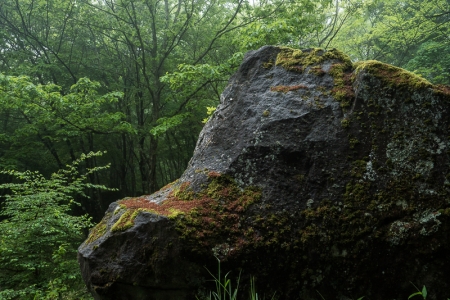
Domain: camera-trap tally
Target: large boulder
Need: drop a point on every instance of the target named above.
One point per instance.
(314, 174)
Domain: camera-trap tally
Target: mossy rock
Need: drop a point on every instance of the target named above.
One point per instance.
(314, 175)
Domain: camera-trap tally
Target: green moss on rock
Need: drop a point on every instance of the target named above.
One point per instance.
(393, 76)
(297, 60)
(202, 217)
(312, 60)
(126, 220)
(98, 230)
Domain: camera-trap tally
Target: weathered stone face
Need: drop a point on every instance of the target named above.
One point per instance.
(313, 175)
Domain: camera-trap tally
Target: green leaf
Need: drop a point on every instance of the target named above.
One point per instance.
(424, 292)
(167, 123)
(40, 235)
(415, 294)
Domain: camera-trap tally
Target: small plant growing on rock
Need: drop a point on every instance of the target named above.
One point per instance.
(422, 292)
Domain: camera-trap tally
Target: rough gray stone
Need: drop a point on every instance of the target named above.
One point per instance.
(313, 174)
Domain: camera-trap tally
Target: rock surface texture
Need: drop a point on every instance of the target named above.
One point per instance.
(314, 175)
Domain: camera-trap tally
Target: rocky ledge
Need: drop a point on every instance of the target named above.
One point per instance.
(314, 175)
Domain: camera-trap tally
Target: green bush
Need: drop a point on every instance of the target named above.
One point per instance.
(39, 235)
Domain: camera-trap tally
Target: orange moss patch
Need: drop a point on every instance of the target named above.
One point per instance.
(287, 88)
(443, 89)
(214, 174)
(208, 216)
(179, 200)
(164, 209)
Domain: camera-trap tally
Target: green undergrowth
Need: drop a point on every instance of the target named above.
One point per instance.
(225, 290)
(39, 233)
(224, 287)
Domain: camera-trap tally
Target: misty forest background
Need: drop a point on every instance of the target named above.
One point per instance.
(102, 99)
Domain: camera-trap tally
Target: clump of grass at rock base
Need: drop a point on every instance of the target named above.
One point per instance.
(224, 287)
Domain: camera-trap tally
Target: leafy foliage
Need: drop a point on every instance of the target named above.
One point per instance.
(39, 117)
(409, 34)
(430, 63)
(285, 22)
(128, 46)
(167, 123)
(39, 234)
